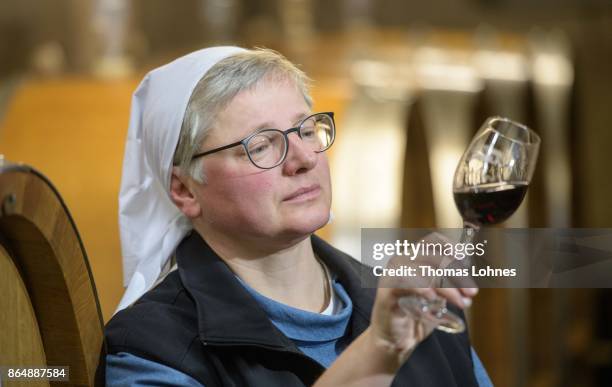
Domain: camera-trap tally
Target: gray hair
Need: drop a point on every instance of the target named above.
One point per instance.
(217, 88)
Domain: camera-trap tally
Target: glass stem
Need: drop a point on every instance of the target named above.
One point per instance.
(468, 235)
(469, 232)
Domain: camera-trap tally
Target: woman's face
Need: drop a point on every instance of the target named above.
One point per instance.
(240, 200)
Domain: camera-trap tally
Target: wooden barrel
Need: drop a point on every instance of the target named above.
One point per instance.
(50, 315)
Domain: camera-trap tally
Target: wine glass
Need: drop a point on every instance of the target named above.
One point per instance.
(493, 174)
(490, 183)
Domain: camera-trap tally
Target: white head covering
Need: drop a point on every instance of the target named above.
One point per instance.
(151, 226)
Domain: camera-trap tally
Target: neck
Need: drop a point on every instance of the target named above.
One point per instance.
(289, 274)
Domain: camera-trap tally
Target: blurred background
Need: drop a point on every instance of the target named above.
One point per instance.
(410, 82)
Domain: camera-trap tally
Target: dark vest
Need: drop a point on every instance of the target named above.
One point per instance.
(201, 321)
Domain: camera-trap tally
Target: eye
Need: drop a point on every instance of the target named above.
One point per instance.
(309, 128)
(308, 132)
(260, 148)
(259, 145)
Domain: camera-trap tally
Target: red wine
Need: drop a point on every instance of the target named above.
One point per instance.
(489, 203)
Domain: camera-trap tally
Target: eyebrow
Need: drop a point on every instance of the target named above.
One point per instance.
(267, 125)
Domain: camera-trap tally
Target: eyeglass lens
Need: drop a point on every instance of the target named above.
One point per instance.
(268, 148)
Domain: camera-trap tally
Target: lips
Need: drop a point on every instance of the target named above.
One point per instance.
(304, 193)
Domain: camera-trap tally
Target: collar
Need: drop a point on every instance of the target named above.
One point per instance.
(306, 326)
(229, 315)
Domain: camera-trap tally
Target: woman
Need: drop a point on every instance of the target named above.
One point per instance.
(215, 187)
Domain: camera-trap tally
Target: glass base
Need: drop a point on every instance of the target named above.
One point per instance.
(434, 311)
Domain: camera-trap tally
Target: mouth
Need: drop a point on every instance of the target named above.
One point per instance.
(304, 194)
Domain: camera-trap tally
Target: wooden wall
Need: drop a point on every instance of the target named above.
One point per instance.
(73, 131)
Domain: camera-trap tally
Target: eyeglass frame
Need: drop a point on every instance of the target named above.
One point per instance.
(285, 133)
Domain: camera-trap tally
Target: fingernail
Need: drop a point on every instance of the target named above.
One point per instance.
(467, 301)
(471, 291)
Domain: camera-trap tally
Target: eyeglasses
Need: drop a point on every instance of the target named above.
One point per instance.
(267, 148)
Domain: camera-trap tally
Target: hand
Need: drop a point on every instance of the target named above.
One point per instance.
(399, 331)
(396, 329)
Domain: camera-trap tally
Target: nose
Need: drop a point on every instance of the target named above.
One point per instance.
(300, 158)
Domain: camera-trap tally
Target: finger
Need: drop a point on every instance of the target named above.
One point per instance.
(416, 306)
(454, 296)
(469, 292)
(427, 293)
(459, 281)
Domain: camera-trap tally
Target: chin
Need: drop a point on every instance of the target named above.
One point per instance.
(305, 223)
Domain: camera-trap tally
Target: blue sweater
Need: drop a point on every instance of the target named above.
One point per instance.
(317, 335)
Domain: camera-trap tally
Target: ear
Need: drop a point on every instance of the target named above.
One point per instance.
(182, 196)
